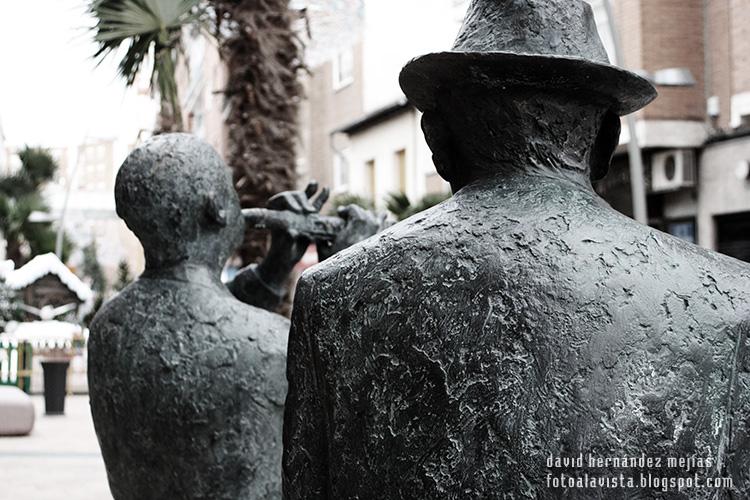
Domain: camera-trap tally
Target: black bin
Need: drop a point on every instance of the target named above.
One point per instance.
(55, 382)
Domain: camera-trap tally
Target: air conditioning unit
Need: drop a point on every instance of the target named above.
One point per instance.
(673, 170)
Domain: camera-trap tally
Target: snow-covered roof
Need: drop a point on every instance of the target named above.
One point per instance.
(42, 265)
(6, 267)
(42, 333)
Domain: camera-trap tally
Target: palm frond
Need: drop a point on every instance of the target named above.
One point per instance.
(145, 27)
(123, 19)
(141, 24)
(398, 204)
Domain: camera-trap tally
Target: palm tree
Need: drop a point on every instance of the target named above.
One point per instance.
(20, 197)
(263, 55)
(401, 207)
(146, 27)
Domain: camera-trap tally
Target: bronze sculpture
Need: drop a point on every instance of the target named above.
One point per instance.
(453, 354)
(187, 383)
(184, 379)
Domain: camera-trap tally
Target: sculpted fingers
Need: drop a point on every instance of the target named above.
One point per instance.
(285, 201)
(303, 200)
(321, 199)
(311, 189)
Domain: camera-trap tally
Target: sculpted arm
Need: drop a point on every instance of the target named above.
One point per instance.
(250, 288)
(296, 224)
(305, 462)
(264, 285)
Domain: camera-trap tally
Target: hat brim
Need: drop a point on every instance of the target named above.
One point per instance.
(423, 78)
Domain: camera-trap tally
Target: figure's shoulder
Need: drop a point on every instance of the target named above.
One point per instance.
(423, 231)
(701, 260)
(168, 302)
(118, 309)
(258, 323)
(660, 264)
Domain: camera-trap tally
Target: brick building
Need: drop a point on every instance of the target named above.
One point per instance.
(334, 87)
(362, 137)
(696, 139)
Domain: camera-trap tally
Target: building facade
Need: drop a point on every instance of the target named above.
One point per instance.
(385, 152)
(201, 78)
(369, 143)
(695, 139)
(333, 87)
(82, 199)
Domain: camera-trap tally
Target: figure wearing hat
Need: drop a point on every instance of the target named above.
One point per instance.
(456, 353)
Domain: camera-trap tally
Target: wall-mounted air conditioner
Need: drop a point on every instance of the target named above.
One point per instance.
(673, 170)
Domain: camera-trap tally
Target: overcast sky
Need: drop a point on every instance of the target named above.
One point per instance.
(51, 92)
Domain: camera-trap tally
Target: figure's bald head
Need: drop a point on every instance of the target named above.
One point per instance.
(175, 193)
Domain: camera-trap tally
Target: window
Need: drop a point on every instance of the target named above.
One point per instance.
(713, 106)
(684, 229)
(370, 179)
(733, 235)
(343, 69)
(740, 110)
(400, 170)
(340, 172)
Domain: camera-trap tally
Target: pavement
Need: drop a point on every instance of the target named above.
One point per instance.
(60, 460)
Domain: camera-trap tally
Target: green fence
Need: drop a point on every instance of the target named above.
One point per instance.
(15, 363)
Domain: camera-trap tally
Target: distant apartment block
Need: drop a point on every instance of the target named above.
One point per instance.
(362, 137)
(86, 183)
(696, 139)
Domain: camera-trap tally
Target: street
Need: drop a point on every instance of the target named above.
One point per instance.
(59, 460)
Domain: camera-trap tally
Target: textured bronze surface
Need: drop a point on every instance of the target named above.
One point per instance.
(549, 44)
(453, 354)
(187, 383)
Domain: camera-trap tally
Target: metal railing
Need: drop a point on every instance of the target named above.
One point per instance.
(15, 363)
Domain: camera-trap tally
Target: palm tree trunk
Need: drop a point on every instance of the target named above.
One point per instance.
(263, 57)
(170, 111)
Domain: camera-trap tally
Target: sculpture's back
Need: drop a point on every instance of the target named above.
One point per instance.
(186, 382)
(189, 393)
(523, 319)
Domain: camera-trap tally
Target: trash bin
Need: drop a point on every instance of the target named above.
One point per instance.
(55, 382)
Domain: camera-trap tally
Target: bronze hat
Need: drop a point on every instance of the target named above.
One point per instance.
(552, 44)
